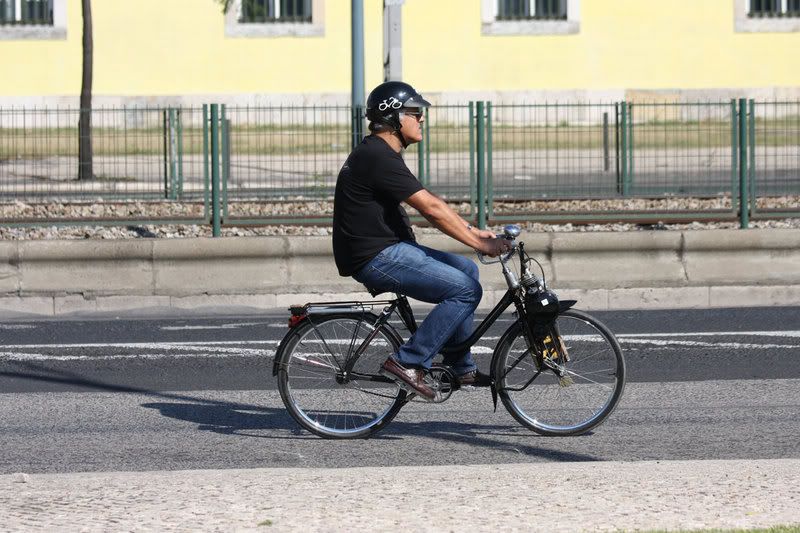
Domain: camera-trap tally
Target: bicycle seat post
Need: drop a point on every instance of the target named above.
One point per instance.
(406, 313)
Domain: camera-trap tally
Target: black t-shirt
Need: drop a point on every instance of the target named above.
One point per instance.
(367, 215)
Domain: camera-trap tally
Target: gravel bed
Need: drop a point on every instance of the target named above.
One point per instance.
(303, 207)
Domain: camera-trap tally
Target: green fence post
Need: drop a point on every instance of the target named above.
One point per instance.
(629, 173)
(744, 215)
(473, 197)
(617, 147)
(421, 160)
(166, 152)
(606, 158)
(489, 181)
(205, 164)
(179, 189)
(624, 163)
(173, 155)
(481, 134)
(226, 160)
(427, 132)
(357, 125)
(215, 214)
(734, 157)
(751, 162)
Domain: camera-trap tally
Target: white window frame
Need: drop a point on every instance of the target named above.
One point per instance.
(744, 23)
(491, 26)
(58, 31)
(236, 29)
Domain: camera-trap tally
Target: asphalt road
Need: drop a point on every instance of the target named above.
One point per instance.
(188, 393)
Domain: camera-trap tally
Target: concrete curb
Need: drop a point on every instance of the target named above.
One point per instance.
(555, 496)
(712, 268)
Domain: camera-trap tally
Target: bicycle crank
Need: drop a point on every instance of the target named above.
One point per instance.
(443, 382)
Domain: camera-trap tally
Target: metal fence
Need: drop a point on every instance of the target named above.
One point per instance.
(541, 162)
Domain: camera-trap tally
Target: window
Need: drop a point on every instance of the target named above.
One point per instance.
(33, 19)
(774, 8)
(26, 12)
(766, 15)
(531, 10)
(263, 11)
(530, 17)
(275, 18)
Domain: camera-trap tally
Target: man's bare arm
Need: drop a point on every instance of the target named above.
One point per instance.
(438, 213)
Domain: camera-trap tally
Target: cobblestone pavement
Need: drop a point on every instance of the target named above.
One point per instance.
(604, 496)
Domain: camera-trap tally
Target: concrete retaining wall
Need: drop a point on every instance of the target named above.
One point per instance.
(603, 270)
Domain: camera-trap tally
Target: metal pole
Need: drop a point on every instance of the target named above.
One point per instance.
(421, 161)
(215, 215)
(744, 207)
(226, 160)
(734, 156)
(166, 154)
(357, 63)
(205, 162)
(472, 195)
(180, 153)
(751, 161)
(173, 155)
(606, 159)
(489, 181)
(392, 40)
(481, 167)
(616, 146)
(624, 165)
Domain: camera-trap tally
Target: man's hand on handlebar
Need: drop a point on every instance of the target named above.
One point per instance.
(484, 233)
(494, 246)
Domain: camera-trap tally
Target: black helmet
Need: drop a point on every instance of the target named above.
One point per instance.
(386, 100)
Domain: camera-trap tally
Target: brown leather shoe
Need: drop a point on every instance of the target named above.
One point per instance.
(474, 379)
(413, 377)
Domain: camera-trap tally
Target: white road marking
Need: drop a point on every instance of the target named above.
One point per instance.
(210, 326)
(786, 333)
(208, 349)
(147, 345)
(16, 356)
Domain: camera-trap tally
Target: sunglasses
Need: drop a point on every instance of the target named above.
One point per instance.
(416, 114)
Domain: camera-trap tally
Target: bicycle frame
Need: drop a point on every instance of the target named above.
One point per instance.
(401, 305)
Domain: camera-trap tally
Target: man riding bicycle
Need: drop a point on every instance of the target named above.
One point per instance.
(373, 241)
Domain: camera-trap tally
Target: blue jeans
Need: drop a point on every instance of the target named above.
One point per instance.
(432, 276)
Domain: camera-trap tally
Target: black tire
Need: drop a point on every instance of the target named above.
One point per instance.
(310, 360)
(591, 386)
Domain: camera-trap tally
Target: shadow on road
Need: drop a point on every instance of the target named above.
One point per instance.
(240, 419)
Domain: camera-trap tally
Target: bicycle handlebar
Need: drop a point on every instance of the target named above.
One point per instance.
(502, 258)
(510, 232)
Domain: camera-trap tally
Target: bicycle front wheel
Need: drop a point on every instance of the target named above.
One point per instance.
(319, 391)
(567, 395)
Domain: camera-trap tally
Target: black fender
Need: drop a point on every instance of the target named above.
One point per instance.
(563, 305)
(279, 351)
(510, 332)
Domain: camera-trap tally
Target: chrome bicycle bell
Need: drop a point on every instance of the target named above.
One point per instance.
(511, 231)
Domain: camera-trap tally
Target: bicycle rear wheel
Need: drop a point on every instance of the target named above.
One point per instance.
(315, 388)
(573, 394)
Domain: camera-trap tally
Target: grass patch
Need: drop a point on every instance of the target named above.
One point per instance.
(266, 523)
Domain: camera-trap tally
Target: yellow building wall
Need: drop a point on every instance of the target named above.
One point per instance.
(647, 44)
(179, 47)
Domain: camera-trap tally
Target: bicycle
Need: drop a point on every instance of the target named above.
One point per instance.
(557, 370)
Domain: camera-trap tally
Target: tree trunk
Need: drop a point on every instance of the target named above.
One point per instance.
(85, 120)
